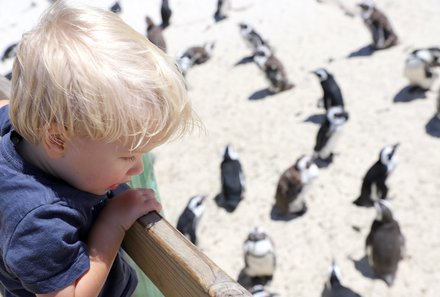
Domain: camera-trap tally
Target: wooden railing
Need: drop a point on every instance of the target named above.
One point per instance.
(174, 264)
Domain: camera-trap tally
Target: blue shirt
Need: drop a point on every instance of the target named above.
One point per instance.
(44, 224)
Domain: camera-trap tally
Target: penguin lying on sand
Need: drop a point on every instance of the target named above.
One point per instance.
(260, 291)
(334, 287)
(232, 180)
(165, 13)
(385, 244)
(418, 67)
(251, 37)
(380, 27)
(259, 256)
(194, 55)
(289, 196)
(328, 135)
(154, 34)
(273, 69)
(332, 93)
(373, 184)
(190, 218)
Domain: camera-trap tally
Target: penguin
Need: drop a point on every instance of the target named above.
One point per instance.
(165, 13)
(10, 52)
(418, 67)
(251, 37)
(260, 291)
(373, 184)
(259, 256)
(222, 7)
(273, 69)
(190, 218)
(116, 7)
(154, 34)
(334, 287)
(329, 134)
(289, 196)
(232, 180)
(332, 93)
(380, 27)
(385, 244)
(194, 55)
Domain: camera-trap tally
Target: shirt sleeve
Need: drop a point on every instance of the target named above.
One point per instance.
(5, 123)
(45, 251)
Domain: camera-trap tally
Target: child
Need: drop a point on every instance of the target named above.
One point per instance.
(89, 97)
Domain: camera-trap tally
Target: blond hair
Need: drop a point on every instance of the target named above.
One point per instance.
(88, 72)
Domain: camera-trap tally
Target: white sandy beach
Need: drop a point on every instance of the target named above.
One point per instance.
(270, 133)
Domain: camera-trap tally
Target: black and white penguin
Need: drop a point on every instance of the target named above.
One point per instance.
(328, 135)
(260, 291)
(334, 287)
(289, 196)
(385, 244)
(190, 218)
(220, 12)
(165, 13)
(380, 27)
(194, 55)
(251, 37)
(232, 180)
(273, 69)
(155, 35)
(419, 65)
(332, 93)
(10, 52)
(116, 7)
(259, 256)
(373, 184)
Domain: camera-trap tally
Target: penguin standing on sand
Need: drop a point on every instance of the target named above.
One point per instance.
(155, 35)
(334, 287)
(232, 180)
(194, 56)
(385, 244)
(10, 52)
(373, 184)
(165, 13)
(251, 37)
(260, 291)
(259, 256)
(332, 93)
(220, 12)
(328, 135)
(190, 218)
(380, 27)
(418, 67)
(273, 69)
(289, 196)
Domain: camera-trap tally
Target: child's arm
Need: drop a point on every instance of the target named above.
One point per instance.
(106, 237)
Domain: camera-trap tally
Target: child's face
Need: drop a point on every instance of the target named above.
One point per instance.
(96, 167)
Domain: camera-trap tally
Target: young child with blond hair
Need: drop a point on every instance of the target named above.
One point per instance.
(90, 96)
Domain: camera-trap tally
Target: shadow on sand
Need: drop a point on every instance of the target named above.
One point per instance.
(433, 126)
(365, 51)
(315, 119)
(409, 93)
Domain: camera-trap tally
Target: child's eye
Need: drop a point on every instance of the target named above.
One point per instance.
(129, 159)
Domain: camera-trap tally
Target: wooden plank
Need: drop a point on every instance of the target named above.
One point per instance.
(174, 264)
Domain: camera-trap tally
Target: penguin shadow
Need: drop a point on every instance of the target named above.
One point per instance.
(323, 163)
(433, 126)
(260, 94)
(409, 93)
(315, 119)
(277, 215)
(220, 201)
(245, 60)
(365, 51)
(248, 282)
(364, 267)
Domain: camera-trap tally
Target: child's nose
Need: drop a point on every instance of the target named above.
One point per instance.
(138, 168)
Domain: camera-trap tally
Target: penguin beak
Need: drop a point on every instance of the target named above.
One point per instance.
(394, 149)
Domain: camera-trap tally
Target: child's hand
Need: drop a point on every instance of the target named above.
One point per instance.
(127, 207)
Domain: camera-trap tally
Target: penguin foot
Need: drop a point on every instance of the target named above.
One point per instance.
(364, 202)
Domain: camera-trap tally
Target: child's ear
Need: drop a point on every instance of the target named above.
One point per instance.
(53, 142)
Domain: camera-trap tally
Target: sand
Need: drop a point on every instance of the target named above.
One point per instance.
(269, 133)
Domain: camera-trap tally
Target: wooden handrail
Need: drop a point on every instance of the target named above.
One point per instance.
(174, 264)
